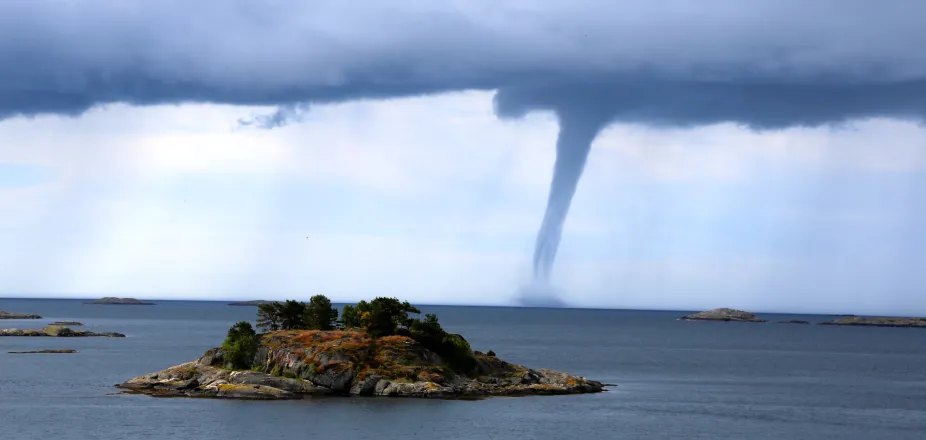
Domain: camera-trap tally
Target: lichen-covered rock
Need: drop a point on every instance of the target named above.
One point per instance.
(195, 380)
(417, 389)
(723, 314)
(252, 392)
(306, 363)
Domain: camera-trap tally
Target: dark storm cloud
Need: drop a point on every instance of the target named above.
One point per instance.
(764, 63)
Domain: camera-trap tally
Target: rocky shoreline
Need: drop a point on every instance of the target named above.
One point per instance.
(299, 364)
(57, 331)
(11, 315)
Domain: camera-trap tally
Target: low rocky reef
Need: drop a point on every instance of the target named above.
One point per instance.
(11, 315)
(255, 303)
(299, 363)
(878, 321)
(110, 300)
(67, 323)
(68, 351)
(57, 331)
(723, 314)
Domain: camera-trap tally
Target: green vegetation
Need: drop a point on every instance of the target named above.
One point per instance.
(240, 345)
(380, 317)
(377, 319)
(490, 353)
(317, 314)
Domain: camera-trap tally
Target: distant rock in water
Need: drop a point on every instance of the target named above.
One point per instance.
(794, 321)
(109, 300)
(723, 314)
(67, 323)
(878, 321)
(10, 315)
(57, 331)
(294, 364)
(44, 352)
(254, 303)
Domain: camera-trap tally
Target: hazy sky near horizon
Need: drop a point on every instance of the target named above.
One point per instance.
(759, 158)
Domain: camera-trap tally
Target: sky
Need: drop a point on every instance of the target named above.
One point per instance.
(769, 157)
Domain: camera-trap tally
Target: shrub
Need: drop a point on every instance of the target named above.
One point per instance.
(451, 347)
(240, 346)
(457, 353)
(490, 353)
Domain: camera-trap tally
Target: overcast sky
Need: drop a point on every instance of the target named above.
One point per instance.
(765, 155)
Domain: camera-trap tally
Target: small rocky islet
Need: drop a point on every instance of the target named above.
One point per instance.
(65, 351)
(878, 322)
(369, 355)
(11, 315)
(57, 331)
(723, 314)
(111, 300)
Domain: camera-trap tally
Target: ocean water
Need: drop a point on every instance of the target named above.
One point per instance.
(676, 379)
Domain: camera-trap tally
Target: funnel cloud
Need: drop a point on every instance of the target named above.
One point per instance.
(576, 133)
(764, 64)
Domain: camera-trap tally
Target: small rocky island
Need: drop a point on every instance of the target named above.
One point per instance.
(109, 300)
(375, 349)
(723, 314)
(67, 351)
(67, 323)
(255, 303)
(878, 321)
(11, 315)
(57, 331)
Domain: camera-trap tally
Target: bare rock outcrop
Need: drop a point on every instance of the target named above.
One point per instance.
(296, 364)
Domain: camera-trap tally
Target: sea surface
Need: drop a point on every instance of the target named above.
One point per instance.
(676, 379)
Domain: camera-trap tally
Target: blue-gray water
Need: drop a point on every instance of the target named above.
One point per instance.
(693, 380)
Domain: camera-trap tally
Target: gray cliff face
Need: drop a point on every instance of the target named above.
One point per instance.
(330, 375)
(723, 314)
